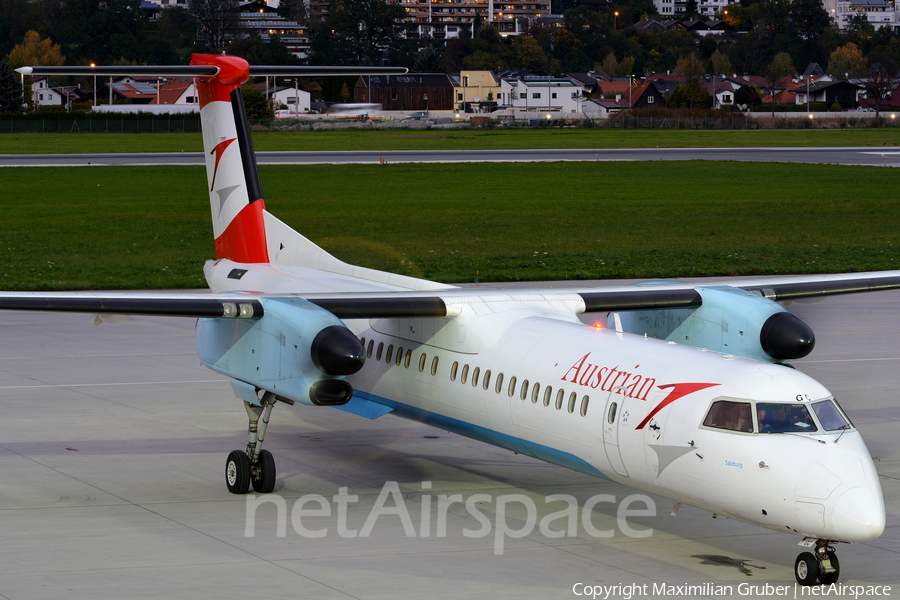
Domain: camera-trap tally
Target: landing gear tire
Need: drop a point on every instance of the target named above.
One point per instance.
(832, 577)
(237, 472)
(806, 569)
(264, 481)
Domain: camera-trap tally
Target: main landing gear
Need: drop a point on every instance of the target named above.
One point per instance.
(253, 465)
(823, 565)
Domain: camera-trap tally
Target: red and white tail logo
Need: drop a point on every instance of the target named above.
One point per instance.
(235, 195)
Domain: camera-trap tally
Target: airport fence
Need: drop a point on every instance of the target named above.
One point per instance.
(190, 123)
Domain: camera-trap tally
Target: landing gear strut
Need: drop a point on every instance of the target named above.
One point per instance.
(254, 465)
(823, 565)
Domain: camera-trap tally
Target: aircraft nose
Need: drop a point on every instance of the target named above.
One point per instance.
(858, 515)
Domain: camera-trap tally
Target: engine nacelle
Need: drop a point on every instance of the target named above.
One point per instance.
(730, 320)
(296, 350)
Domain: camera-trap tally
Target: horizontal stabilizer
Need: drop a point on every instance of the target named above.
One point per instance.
(208, 71)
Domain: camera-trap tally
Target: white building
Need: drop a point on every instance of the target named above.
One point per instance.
(705, 8)
(550, 94)
(878, 13)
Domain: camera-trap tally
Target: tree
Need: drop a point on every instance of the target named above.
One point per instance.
(780, 67)
(216, 20)
(34, 51)
(808, 19)
(719, 64)
(689, 95)
(747, 95)
(258, 108)
(363, 32)
(10, 89)
(881, 79)
(690, 68)
(847, 61)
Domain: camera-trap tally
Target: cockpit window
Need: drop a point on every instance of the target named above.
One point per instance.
(784, 418)
(734, 416)
(829, 416)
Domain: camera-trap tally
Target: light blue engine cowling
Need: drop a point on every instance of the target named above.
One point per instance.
(729, 320)
(296, 350)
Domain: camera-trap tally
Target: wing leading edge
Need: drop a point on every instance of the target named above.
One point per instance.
(400, 304)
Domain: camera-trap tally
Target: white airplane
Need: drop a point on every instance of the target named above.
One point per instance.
(684, 392)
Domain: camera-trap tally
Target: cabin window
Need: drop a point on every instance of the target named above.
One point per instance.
(548, 392)
(390, 353)
(559, 399)
(465, 374)
(399, 355)
(512, 386)
(784, 418)
(407, 359)
(584, 405)
(831, 418)
(733, 416)
(369, 350)
(611, 415)
(434, 365)
(362, 341)
(572, 398)
(475, 373)
(422, 360)
(499, 385)
(379, 351)
(487, 379)
(524, 392)
(535, 392)
(453, 370)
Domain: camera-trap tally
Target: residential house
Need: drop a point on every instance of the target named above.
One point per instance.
(153, 90)
(641, 93)
(841, 91)
(45, 95)
(554, 94)
(293, 98)
(590, 81)
(475, 90)
(602, 108)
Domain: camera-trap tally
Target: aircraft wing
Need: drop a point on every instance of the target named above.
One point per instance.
(440, 303)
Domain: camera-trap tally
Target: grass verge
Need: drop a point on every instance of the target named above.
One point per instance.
(148, 227)
(457, 139)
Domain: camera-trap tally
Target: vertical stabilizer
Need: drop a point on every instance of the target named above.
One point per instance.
(235, 193)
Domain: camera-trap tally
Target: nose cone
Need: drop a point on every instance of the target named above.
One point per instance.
(858, 515)
(336, 351)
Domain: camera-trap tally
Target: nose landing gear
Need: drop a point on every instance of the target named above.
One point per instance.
(822, 566)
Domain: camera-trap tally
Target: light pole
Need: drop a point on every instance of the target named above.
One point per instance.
(630, 87)
(616, 20)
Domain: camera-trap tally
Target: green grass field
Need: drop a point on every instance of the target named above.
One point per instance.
(148, 227)
(457, 139)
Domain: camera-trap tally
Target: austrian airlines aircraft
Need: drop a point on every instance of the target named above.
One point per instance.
(686, 392)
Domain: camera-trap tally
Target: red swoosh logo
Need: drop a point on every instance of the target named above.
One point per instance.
(219, 150)
(679, 390)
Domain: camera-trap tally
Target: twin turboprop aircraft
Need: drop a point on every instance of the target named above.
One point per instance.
(686, 392)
